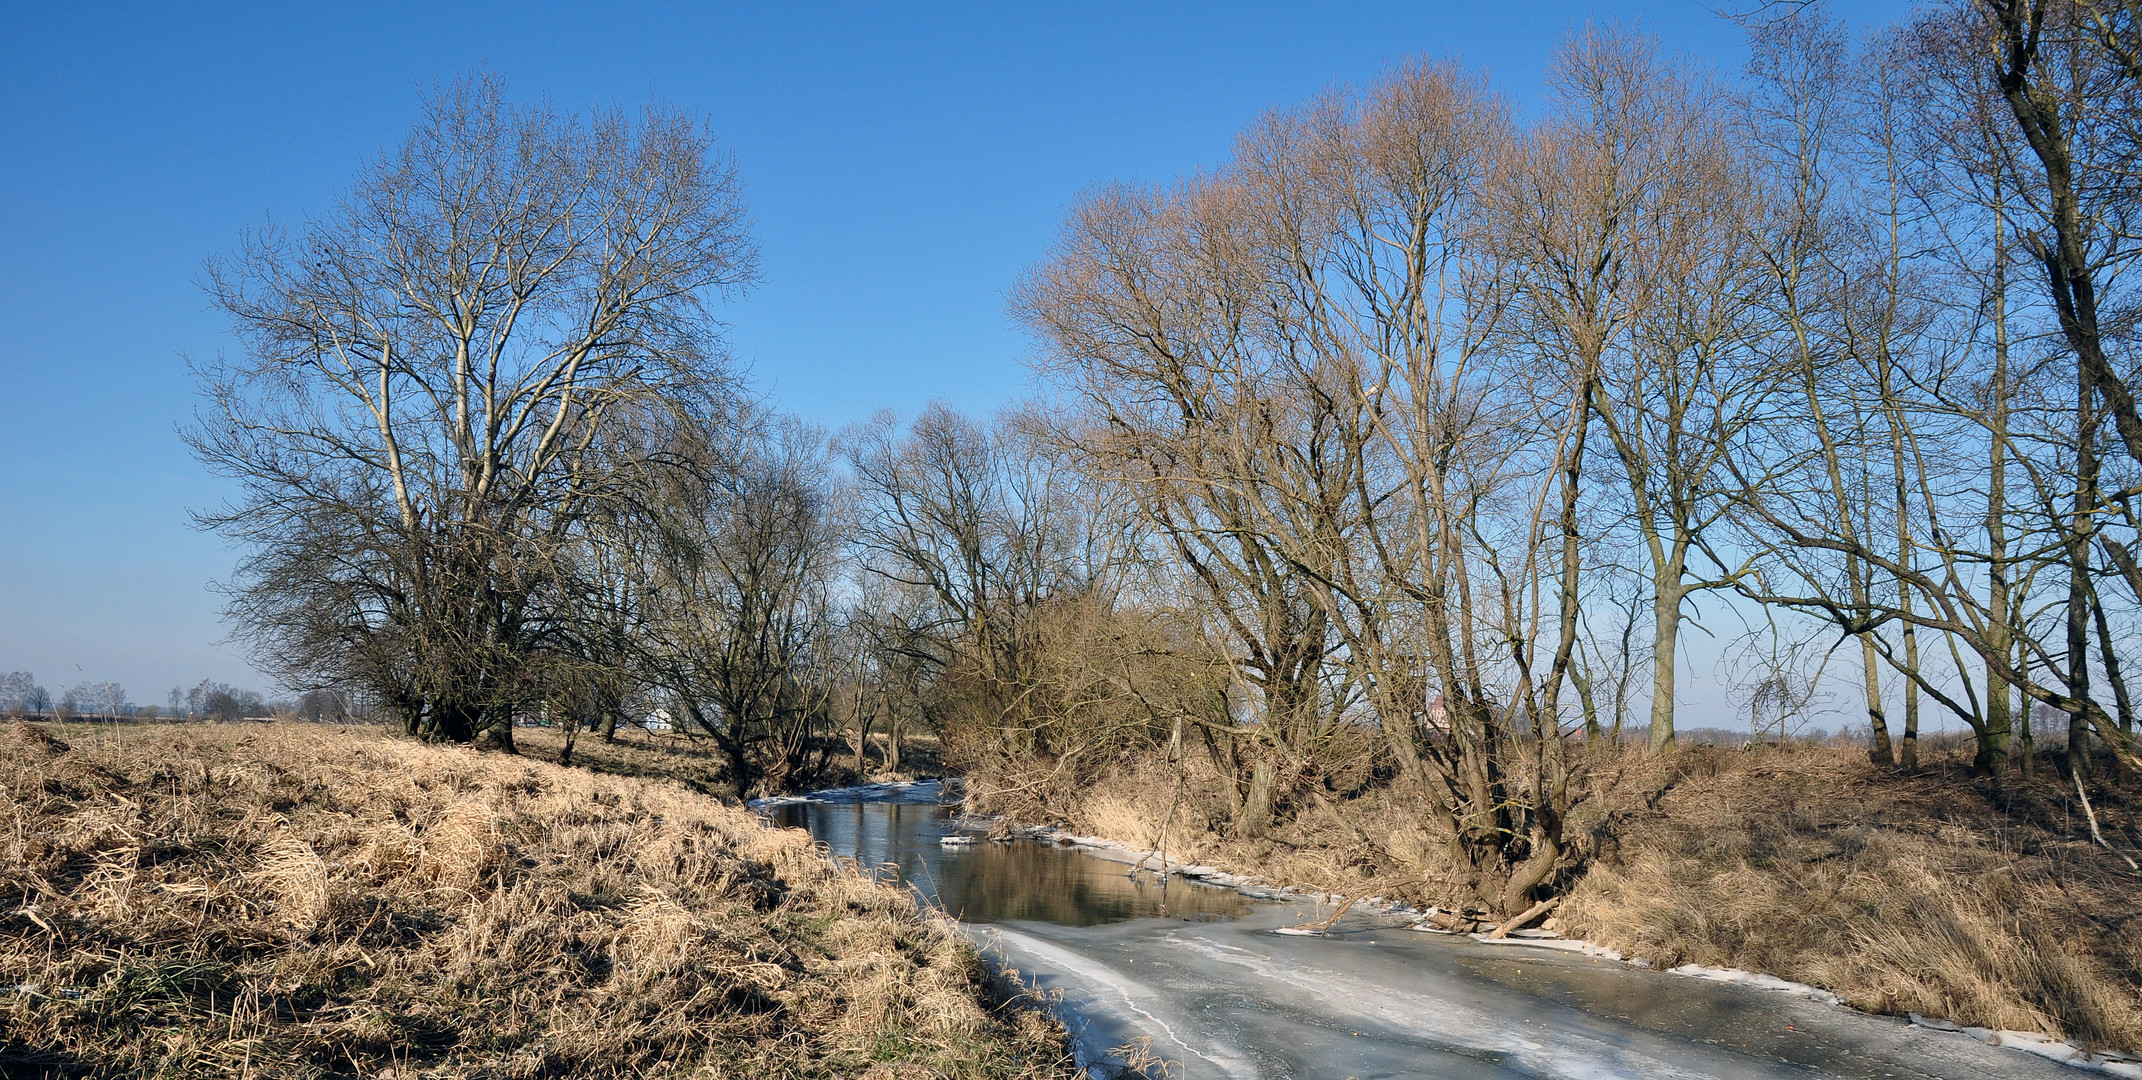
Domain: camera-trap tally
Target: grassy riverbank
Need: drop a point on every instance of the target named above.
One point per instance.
(293, 901)
(1932, 892)
(694, 761)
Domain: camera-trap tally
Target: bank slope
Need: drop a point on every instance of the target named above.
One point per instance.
(299, 902)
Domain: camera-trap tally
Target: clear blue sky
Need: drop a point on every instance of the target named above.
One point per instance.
(904, 164)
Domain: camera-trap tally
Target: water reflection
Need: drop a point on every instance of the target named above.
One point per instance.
(998, 882)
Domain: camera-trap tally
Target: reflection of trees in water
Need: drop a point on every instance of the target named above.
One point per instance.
(1024, 881)
(873, 834)
(1001, 882)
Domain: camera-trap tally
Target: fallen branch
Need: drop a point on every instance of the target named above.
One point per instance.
(1531, 913)
(2091, 816)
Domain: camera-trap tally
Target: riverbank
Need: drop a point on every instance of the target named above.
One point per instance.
(293, 901)
(1207, 982)
(1927, 894)
(697, 764)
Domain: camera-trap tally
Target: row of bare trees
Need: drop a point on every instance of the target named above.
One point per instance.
(493, 463)
(1435, 422)
(495, 468)
(1417, 425)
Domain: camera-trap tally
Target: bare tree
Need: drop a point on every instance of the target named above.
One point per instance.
(739, 609)
(418, 423)
(2067, 73)
(1285, 367)
(1155, 311)
(966, 531)
(21, 695)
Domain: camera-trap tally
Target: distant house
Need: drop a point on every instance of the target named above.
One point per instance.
(1434, 718)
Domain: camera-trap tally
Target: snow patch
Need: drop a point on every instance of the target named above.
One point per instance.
(1757, 980)
(2030, 1042)
(890, 791)
(1559, 944)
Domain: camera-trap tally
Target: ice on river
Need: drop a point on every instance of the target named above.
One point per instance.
(1233, 999)
(1201, 973)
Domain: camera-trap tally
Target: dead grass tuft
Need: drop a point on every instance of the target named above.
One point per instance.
(23, 735)
(296, 877)
(294, 902)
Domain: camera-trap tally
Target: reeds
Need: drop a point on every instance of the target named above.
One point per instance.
(296, 902)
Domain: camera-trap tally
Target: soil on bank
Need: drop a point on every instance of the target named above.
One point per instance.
(1929, 892)
(293, 901)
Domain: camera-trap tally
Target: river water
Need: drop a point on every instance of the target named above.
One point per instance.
(1196, 975)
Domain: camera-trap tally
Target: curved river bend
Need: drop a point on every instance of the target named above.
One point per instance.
(1196, 970)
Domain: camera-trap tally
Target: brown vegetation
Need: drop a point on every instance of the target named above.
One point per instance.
(1930, 892)
(286, 901)
(698, 764)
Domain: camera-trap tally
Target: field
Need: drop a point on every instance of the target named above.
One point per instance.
(1929, 892)
(295, 901)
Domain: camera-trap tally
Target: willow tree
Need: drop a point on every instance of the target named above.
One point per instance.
(1287, 367)
(420, 420)
(978, 531)
(738, 596)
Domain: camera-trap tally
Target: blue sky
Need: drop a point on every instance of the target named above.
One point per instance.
(904, 164)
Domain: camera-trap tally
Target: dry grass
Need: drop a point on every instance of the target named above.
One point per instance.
(1368, 841)
(1931, 893)
(287, 901)
(695, 763)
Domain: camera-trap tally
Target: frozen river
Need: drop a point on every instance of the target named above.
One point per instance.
(1196, 970)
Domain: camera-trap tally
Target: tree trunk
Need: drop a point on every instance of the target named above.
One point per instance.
(862, 743)
(497, 734)
(1531, 873)
(1877, 720)
(2026, 746)
(1993, 742)
(1908, 753)
(1583, 684)
(2080, 533)
(1255, 817)
(2111, 658)
(1228, 766)
(1666, 633)
(453, 722)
